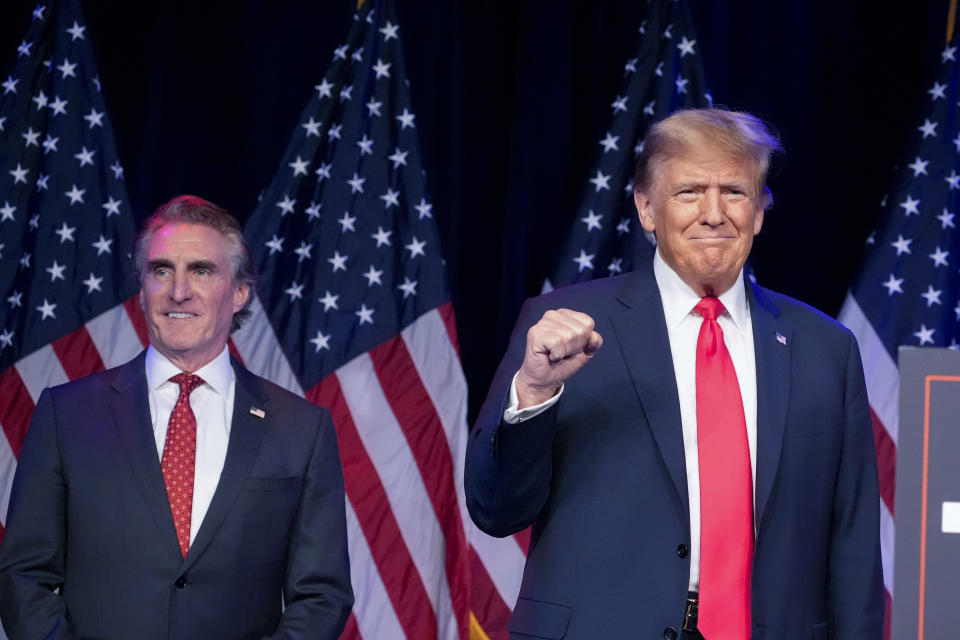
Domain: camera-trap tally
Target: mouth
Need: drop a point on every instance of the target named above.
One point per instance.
(179, 315)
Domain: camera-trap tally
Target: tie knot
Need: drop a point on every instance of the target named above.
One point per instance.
(709, 308)
(187, 381)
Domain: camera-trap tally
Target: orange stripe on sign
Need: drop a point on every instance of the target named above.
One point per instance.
(486, 606)
(886, 461)
(16, 408)
(414, 410)
(78, 354)
(394, 563)
(137, 319)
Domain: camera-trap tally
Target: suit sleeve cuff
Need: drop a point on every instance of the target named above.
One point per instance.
(513, 415)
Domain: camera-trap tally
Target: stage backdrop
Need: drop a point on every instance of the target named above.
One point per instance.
(511, 101)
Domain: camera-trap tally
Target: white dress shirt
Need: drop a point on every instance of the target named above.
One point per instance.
(212, 405)
(683, 328)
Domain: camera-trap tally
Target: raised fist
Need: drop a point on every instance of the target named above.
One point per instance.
(559, 344)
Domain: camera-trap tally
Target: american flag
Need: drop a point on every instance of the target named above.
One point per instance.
(65, 227)
(908, 292)
(354, 313)
(665, 74)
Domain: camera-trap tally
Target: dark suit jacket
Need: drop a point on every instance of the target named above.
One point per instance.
(601, 476)
(89, 515)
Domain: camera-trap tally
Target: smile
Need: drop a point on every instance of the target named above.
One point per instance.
(180, 314)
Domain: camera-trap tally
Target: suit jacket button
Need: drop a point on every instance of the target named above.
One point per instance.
(670, 633)
(683, 550)
(181, 582)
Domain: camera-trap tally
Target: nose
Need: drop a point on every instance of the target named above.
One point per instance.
(180, 290)
(711, 208)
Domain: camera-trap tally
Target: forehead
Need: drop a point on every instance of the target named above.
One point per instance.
(704, 160)
(708, 162)
(186, 240)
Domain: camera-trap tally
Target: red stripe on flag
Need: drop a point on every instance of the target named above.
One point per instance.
(137, 319)
(491, 611)
(233, 350)
(78, 354)
(414, 410)
(887, 612)
(450, 321)
(886, 461)
(16, 408)
(394, 563)
(523, 539)
(351, 631)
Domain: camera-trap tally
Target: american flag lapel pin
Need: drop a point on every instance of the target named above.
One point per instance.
(782, 339)
(260, 413)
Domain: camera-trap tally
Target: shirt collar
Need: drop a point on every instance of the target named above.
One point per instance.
(679, 298)
(218, 373)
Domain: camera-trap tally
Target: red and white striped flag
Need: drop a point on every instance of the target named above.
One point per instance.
(354, 313)
(908, 292)
(65, 226)
(357, 314)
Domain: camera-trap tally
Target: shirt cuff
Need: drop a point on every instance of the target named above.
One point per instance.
(513, 415)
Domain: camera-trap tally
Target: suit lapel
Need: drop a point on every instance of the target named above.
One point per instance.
(771, 339)
(641, 331)
(246, 434)
(131, 413)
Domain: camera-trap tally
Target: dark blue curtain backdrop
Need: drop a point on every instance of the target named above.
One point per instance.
(511, 99)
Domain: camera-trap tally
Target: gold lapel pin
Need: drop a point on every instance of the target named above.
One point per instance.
(260, 413)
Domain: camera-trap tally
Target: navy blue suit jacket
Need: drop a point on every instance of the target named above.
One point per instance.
(601, 476)
(89, 515)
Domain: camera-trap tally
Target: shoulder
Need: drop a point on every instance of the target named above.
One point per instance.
(802, 316)
(101, 383)
(291, 405)
(582, 296)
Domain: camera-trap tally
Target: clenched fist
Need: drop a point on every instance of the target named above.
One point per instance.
(559, 344)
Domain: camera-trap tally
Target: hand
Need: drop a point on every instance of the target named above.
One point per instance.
(559, 344)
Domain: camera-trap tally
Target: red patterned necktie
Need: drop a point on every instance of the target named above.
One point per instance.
(726, 487)
(179, 458)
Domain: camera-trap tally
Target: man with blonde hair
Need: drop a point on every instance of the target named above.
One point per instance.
(711, 473)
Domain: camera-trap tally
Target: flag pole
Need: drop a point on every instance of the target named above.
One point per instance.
(951, 20)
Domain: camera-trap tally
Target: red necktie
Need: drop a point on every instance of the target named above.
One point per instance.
(179, 458)
(726, 487)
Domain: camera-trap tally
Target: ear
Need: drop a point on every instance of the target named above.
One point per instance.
(757, 221)
(142, 307)
(644, 211)
(241, 294)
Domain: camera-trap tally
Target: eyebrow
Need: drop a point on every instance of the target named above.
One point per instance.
(209, 265)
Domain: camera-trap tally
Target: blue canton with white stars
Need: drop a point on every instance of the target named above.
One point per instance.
(344, 237)
(65, 223)
(909, 287)
(665, 74)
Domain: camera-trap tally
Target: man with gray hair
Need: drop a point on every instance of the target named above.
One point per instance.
(711, 473)
(178, 495)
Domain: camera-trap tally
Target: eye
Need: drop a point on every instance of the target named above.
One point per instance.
(161, 272)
